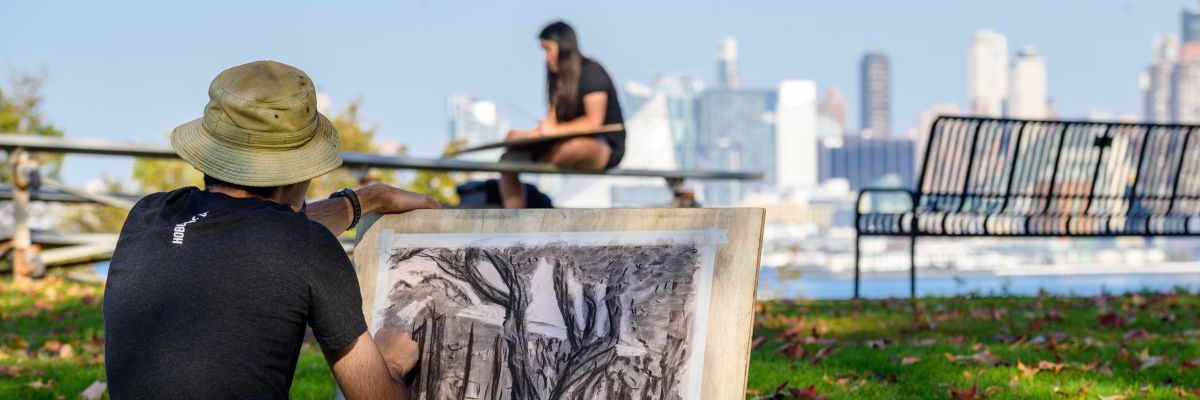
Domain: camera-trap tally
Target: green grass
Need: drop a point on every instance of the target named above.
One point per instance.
(873, 349)
(871, 340)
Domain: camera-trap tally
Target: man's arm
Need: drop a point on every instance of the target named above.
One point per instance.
(336, 214)
(362, 373)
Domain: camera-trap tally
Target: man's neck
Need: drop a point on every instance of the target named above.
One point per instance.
(242, 194)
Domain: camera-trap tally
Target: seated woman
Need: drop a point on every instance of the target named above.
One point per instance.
(582, 97)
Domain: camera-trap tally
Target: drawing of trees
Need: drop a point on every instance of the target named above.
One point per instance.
(636, 296)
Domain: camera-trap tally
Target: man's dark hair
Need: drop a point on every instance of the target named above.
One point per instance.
(210, 182)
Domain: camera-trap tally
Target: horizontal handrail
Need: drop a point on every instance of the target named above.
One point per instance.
(355, 160)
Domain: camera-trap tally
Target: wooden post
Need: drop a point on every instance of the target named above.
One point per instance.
(23, 253)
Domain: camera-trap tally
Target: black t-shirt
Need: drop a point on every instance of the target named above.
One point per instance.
(208, 297)
(593, 78)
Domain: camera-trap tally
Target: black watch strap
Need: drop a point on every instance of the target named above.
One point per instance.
(353, 197)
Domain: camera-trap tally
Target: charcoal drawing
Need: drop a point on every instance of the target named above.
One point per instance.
(552, 318)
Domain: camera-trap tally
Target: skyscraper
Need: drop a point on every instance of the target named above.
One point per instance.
(875, 83)
(1156, 81)
(796, 135)
(987, 73)
(1191, 24)
(680, 93)
(1027, 96)
(727, 63)
(474, 121)
(736, 132)
(831, 113)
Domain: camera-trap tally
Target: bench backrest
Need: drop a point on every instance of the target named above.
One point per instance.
(983, 176)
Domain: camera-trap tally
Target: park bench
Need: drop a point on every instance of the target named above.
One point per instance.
(984, 177)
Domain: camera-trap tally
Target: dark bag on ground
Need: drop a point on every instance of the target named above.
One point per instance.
(486, 194)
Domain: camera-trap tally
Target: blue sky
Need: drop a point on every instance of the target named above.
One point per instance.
(133, 70)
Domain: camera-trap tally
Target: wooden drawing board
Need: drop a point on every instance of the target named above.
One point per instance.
(730, 314)
(533, 141)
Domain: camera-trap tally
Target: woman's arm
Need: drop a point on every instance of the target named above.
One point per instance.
(595, 105)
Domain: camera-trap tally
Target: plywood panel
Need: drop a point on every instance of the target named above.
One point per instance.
(731, 306)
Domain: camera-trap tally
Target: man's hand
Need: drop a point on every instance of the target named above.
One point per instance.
(384, 199)
(399, 351)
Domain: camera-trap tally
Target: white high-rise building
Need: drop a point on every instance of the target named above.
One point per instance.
(987, 73)
(1027, 97)
(475, 121)
(796, 136)
(727, 63)
(1156, 81)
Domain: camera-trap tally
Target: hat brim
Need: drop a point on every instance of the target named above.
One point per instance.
(258, 167)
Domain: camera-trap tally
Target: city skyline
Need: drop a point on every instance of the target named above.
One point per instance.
(370, 53)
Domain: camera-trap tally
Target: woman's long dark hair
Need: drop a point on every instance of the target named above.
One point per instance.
(562, 87)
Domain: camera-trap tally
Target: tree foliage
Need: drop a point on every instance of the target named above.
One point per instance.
(440, 185)
(20, 113)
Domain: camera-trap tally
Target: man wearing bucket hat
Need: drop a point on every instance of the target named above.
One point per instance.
(210, 291)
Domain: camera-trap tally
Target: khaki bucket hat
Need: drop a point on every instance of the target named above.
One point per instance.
(260, 128)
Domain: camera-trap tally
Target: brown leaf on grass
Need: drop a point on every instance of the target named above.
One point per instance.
(985, 358)
(66, 352)
(1081, 393)
(40, 384)
(1113, 397)
(1049, 366)
(991, 390)
(1145, 360)
(1026, 372)
(908, 360)
(1187, 365)
(808, 393)
(52, 346)
(878, 343)
(11, 371)
(1136, 334)
(758, 342)
(963, 394)
(1111, 319)
(821, 354)
(95, 391)
(794, 350)
(1089, 366)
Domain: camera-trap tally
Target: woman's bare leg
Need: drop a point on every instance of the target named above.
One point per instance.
(586, 154)
(512, 192)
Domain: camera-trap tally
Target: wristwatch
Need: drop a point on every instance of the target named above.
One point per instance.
(353, 197)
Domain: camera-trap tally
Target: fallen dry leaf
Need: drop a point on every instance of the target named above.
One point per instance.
(908, 360)
(1026, 372)
(963, 394)
(758, 342)
(1136, 334)
(95, 391)
(1145, 360)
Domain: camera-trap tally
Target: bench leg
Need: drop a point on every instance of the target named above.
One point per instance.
(912, 269)
(857, 259)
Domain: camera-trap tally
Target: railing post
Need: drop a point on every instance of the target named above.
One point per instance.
(24, 255)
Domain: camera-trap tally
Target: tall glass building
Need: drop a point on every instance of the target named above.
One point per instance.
(735, 131)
